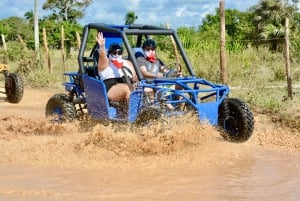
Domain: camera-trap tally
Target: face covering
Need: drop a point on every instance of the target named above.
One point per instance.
(150, 56)
(116, 60)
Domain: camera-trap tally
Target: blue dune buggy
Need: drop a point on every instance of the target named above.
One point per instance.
(150, 98)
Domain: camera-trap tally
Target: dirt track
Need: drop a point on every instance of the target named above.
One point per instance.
(43, 161)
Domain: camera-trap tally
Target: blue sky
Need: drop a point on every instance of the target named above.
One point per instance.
(177, 13)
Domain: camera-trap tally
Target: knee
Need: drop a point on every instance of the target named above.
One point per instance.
(127, 93)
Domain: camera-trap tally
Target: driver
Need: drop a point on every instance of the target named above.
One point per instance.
(150, 66)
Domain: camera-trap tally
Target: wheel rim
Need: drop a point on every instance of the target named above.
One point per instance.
(57, 115)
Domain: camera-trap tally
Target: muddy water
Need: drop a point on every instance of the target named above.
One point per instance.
(262, 175)
(41, 161)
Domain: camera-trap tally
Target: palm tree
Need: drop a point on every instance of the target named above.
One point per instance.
(269, 19)
(29, 16)
(130, 17)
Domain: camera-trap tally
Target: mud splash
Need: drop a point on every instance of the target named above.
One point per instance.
(31, 141)
(153, 140)
(183, 160)
(186, 162)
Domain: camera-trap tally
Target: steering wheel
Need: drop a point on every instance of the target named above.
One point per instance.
(128, 75)
(175, 69)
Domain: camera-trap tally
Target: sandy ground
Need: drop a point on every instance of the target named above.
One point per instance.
(44, 161)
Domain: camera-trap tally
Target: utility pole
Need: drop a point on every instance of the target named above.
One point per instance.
(36, 29)
(223, 60)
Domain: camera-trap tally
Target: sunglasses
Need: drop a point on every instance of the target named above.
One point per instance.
(117, 52)
(149, 48)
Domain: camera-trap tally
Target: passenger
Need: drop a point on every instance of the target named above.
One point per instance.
(112, 70)
(150, 66)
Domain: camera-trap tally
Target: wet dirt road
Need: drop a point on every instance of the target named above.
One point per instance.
(41, 161)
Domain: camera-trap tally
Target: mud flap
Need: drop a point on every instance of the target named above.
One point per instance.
(208, 112)
(135, 105)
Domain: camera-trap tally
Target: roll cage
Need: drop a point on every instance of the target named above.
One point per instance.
(119, 34)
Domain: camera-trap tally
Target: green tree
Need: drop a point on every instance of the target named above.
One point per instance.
(13, 26)
(130, 17)
(238, 24)
(210, 26)
(238, 29)
(269, 21)
(53, 30)
(66, 10)
(29, 16)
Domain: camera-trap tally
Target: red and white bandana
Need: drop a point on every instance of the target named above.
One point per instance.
(117, 61)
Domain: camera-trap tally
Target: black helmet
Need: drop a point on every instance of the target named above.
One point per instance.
(149, 42)
(114, 46)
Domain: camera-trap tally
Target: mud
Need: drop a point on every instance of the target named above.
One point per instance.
(40, 160)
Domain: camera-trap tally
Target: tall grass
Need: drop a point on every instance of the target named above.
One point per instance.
(255, 75)
(250, 67)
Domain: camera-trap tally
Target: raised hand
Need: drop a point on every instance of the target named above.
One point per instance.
(100, 39)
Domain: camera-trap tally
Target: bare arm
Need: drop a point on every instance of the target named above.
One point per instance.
(103, 60)
(148, 74)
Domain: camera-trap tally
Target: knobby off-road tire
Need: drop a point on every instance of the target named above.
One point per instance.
(14, 88)
(148, 116)
(60, 109)
(235, 120)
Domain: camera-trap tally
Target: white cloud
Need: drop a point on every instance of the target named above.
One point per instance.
(132, 5)
(180, 11)
(241, 5)
(176, 12)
